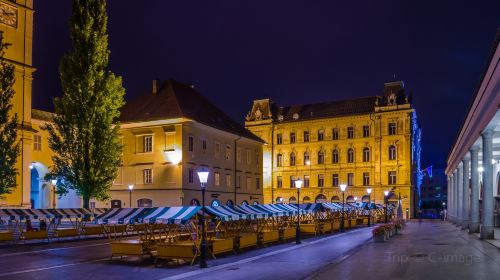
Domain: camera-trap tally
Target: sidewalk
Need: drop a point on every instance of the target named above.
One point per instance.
(430, 250)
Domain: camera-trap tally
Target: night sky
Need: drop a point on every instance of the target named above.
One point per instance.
(291, 51)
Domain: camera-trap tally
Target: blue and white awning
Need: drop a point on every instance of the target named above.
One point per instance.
(171, 215)
(227, 213)
(122, 216)
(31, 214)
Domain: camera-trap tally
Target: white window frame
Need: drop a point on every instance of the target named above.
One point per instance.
(147, 143)
(147, 176)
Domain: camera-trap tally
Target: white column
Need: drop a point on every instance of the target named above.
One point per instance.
(465, 193)
(474, 200)
(487, 231)
(455, 197)
(460, 192)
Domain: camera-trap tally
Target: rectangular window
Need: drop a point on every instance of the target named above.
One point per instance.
(228, 180)
(306, 181)
(228, 152)
(366, 178)
(350, 132)
(279, 139)
(239, 182)
(249, 157)
(249, 182)
(392, 177)
(148, 176)
(37, 142)
(204, 145)
(257, 183)
(190, 175)
(279, 160)
(191, 143)
(321, 180)
(335, 180)
(366, 131)
(217, 178)
(292, 137)
(238, 154)
(217, 149)
(148, 144)
(350, 179)
(306, 136)
(279, 183)
(392, 128)
(335, 134)
(321, 135)
(292, 182)
(257, 159)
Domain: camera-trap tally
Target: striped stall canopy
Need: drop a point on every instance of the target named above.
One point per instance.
(123, 215)
(291, 209)
(253, 212)
(171, 215)
(22, 214)
(227, 213)
(332, 206)
(312, 206)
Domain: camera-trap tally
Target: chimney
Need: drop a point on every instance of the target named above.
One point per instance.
(156, 86)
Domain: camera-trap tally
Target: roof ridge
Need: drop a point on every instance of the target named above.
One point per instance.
(331, 101)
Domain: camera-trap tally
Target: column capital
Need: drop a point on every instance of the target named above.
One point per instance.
(474, 149)
(488, 133)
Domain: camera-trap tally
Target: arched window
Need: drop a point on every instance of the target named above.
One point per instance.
(392, 152)
(349, 199)
(350, 155)
(292, 199)
(144, 202)
(279, 199)
(320, 198)
(307, 159)
(244, 202)
(215, 202)
(366, 154)
(321, 157)
(194, 202)
(306, 199)
(292, 159)
(229, 202)
(335, 198)
(365, 198)
(255, 203)
(335, 156)
(279, 160)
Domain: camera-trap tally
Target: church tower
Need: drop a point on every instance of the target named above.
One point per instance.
(16, 24)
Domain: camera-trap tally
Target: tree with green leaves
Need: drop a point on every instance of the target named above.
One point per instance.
(85, 135)
(9, 145)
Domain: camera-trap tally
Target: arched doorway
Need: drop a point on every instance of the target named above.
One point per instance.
(365, 198)
(145, 202)
(306, 199)
(279, 199)
(349, 199)
(229, 202)
(320, 198)
(335, 198)
(292, 200)
(194, 202)
(41, 191)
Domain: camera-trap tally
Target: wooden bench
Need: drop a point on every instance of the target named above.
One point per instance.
(67, 232)
(308, 228)
(6, 236)
(246, 240)
(270, 236)
(220, 246)
(288, 233)
(177, 250)
(130, 248)
(29, 235)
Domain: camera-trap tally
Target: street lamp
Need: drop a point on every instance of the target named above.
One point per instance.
(298, 185)
(130, 188)
(342, 189)
(369, 191)
(386, 194)
(54, 188)
(203, 176)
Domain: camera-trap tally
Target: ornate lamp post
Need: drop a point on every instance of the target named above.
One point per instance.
(203, 176)
(54, 188)
(369, 191)
(342, 189)
(386, 194)
(298, 185)
(130, 188)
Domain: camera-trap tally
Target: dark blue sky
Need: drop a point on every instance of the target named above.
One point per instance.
(291, 51)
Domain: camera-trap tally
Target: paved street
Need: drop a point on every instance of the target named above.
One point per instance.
(431, 250)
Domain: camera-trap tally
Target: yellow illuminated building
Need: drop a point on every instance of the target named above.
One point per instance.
(364, 142)
(16, 24)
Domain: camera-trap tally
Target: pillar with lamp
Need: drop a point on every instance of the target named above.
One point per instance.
(386, 196)
(342, 189)
(298, 185)
(130, 188)
(203, 176)
(54, 190)
(369, 191)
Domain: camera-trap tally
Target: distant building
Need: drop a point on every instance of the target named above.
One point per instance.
(434, 189)
(364, 142)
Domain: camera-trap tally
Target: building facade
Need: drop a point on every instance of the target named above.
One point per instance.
(473, 166)
(366, 142)
(16, 25)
